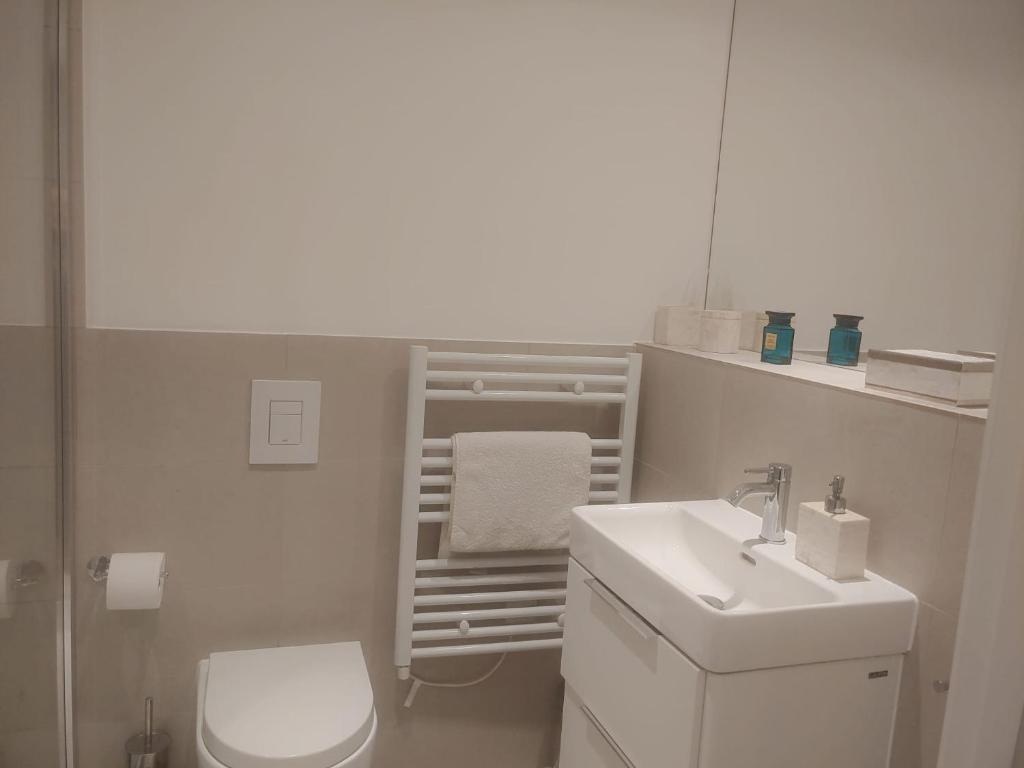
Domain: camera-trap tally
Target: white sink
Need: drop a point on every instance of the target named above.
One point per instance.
(696, 571)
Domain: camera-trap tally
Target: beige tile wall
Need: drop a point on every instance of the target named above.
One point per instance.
(28, 532)
(267, 556)
(272, 555)
(911, 470)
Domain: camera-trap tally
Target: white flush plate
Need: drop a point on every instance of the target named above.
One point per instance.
(284, 425)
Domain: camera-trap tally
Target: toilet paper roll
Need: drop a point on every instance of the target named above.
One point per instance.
(135, 581)
(7, 570)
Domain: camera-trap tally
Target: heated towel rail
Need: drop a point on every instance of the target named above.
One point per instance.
(467, 604)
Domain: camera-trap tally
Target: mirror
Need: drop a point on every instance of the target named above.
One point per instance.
(872, 164)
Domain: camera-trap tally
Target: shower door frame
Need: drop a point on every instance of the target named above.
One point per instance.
(60, 84)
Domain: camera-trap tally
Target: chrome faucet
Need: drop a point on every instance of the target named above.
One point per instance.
(776, 499)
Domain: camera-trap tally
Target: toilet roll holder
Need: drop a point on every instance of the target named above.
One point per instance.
(28, 573)
(99, 568)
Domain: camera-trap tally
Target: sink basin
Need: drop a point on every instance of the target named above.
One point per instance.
(697, 572)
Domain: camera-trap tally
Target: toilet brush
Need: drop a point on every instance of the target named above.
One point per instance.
(149, 749)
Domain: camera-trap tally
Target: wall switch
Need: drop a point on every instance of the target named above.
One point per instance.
(284, 425)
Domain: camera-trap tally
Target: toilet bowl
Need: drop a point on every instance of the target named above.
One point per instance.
(302, 707)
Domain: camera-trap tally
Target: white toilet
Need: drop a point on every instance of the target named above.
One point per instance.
(304, 707)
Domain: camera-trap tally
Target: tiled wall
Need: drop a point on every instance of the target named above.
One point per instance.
(264, 556)
(268, 556)
(912, 470)
(28, 532)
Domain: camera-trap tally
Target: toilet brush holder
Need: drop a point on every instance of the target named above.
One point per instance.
(149, 749)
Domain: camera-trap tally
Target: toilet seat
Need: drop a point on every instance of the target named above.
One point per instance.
(299, 707)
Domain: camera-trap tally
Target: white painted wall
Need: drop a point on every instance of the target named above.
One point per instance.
(873, 164)
(537, 169)
(24, 163)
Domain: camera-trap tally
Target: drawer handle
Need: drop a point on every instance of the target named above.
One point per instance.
(607, 736)
(626, 613)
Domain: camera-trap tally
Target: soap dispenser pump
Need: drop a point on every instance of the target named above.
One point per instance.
(835, 504)
(830, 538)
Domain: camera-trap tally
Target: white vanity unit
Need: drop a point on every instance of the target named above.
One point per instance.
(690, 644)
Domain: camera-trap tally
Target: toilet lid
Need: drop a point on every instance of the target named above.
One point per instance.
(304, 707)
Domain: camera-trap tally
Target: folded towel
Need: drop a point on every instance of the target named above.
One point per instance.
(515, 490)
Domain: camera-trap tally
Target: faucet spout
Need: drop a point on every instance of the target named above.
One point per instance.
(776, 500)
(743, 490)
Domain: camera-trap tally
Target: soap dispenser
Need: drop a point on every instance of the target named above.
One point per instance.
(832, 539)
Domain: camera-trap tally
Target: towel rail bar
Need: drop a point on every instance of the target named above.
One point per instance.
(569, 361)
(444, 516)
(526, 396)
(445, 443)
(468, 589)
(471, 598)
(500, 630)
(494, 579)
(510, 377)
(445, 462)
(464, 563)
(436, 481)
(438, 516)
(488, 614)
(478, 649)
(445, 498)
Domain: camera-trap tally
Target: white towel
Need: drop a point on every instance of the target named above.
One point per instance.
(515, 490)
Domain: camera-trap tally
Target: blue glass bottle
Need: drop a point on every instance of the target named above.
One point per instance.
(844, 341)
(777, 339)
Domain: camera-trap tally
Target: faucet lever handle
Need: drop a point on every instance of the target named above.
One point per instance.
(758, 470)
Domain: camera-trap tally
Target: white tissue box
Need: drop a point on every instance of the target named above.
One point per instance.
(677, 326)
(835, 545)
(962, 380)
(720, 331)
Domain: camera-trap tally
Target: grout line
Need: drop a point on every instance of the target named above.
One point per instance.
(938, 564)
(721, 142)
(412, 339)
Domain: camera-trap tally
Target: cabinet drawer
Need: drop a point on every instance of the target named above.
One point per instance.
(645, 693)
(584, 745)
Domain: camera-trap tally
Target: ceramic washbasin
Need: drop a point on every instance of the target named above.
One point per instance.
(698, 573)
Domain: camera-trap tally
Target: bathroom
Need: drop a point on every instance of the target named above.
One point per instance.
(251, 253)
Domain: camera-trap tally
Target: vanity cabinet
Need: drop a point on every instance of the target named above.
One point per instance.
(634, 699)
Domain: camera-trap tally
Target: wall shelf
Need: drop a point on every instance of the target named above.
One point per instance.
(834, 377)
